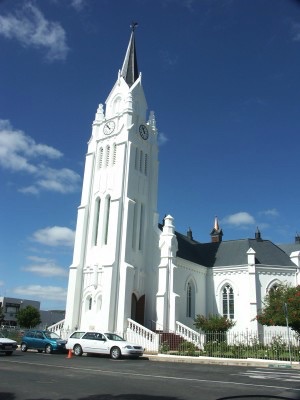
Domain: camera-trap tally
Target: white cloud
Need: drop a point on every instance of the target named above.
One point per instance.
(31, 29)
(58, 180)
(162, 139)
(20, 153)
(46, 270)
(239, 219)
(78, 4)
(188, 4)
(45, 267)
(296, 32)
(16, 149)
(270, 213)
(55, 236)
(42, 292)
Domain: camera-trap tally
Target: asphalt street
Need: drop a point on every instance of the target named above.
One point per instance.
(35, 376)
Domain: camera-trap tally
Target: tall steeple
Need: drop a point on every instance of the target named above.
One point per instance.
(130, 68)
(115, 232)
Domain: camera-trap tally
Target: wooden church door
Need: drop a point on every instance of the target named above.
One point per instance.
(138, 309)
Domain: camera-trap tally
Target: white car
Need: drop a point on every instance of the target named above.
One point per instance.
(102, 343)
(7, 346)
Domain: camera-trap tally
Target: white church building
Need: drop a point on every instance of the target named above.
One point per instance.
(129, 269)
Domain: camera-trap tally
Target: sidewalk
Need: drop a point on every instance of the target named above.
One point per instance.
(249, 362)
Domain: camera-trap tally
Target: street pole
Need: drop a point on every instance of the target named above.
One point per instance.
(285, 310)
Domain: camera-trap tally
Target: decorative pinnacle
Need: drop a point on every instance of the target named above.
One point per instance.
(133, 26)
(216, 227)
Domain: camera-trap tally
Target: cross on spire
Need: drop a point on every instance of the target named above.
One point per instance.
(133, 26)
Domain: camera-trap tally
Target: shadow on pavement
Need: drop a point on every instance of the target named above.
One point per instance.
(11, 396)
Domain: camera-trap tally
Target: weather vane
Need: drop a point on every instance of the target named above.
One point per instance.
(133, 26)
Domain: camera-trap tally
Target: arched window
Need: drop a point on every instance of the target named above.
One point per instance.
(106, 221)
(107, 156)
(141, 233)
(96, 221)
(114, 158)
(141, 161)
(136, 158)
(274, 287)
(146, 164)
(228, 302)
(100, 160)
(134, 228)
(116, 105)
(99, 302)
(190, 300)
(88, 303)
(272, 290)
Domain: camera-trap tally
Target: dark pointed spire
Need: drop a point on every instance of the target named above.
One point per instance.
(189, 234)
(130, 68)
(257, 234)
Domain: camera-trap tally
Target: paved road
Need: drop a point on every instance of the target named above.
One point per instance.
(34, 376)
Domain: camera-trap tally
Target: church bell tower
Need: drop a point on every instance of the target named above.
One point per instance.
(110, 275)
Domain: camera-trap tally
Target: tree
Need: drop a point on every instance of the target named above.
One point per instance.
(213, 323)
(273, 312)
(28, 317)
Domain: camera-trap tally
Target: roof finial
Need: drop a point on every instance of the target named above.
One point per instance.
(257, 234)
(217, 233)
(133, 26)
(216, 226)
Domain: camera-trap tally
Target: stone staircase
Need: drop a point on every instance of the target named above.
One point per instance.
(171, 340)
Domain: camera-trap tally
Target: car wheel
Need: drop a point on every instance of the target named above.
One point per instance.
(24, 347)
(115, 353)
(77, 350)
(8, 353)
(48, 349)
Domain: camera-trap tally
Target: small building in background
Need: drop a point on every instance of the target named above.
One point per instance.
(11, 306)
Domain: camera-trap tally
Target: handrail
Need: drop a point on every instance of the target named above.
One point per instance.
(139, 334)
(189, 334)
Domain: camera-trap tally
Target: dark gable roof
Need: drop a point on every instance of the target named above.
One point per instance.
(231, 252)
(289, 247)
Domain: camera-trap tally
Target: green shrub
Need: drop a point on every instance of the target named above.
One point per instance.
(164, 347)
(188, 348)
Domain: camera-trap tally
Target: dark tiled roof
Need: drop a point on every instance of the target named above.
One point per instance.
(232, 252)
(289, 248)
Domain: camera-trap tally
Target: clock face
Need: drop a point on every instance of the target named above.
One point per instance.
(143, 132)
(109, 128)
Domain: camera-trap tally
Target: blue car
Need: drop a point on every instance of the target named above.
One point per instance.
(46, 341)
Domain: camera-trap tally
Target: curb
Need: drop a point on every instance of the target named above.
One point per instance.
(249, 362)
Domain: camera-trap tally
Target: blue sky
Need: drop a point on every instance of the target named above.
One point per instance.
(223, 79)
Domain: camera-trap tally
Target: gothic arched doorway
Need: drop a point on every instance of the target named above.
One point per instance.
(137, 309)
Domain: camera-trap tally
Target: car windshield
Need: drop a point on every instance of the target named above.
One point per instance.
(113, 336)
(51, 335)
(1, 335)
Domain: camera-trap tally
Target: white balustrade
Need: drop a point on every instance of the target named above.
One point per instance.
(138, 334)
